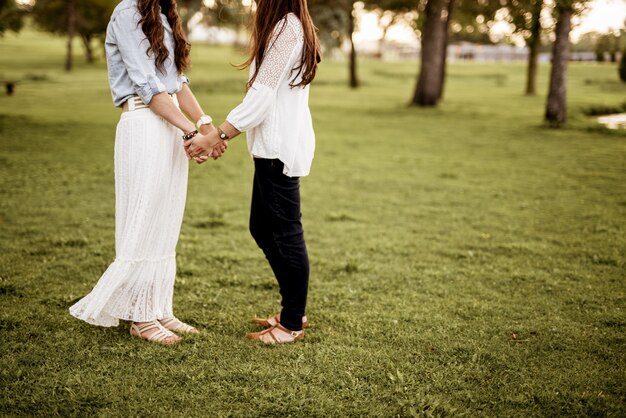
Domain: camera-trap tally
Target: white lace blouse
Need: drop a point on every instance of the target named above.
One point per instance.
(275, 115)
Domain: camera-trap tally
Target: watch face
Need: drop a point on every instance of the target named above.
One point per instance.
(205, 120)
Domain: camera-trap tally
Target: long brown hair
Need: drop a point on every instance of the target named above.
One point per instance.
(153, 29)
(268, 14)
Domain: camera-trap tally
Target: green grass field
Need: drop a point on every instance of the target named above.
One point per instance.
(466, 261)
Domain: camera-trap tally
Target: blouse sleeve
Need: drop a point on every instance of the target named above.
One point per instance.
(274, 68)
(133, 45)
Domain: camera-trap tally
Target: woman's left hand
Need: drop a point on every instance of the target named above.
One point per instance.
(219, 149)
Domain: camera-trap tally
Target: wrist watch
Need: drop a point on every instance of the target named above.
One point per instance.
(204, 120)
(222, 134)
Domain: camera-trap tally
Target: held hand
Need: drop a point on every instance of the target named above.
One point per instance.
(186, 145)
(200, 145)
(219, 149)
(199, 159)
(215, 153)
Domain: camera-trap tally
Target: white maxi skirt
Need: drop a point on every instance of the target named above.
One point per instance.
(150, 191)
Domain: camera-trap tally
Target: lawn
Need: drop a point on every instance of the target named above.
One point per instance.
(466, 261)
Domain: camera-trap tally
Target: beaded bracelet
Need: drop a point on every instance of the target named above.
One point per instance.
(190, 135)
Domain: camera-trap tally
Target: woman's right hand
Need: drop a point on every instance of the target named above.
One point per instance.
(200, 145)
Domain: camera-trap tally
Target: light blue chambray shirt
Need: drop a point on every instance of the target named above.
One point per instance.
(131, 71)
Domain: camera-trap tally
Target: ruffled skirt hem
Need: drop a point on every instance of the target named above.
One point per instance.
(131, 290)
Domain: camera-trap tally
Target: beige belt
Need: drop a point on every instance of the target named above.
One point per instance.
(135, 103)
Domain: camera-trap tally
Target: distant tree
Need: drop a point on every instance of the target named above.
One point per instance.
(601, 47)
(525, 16)
(533, 42)
(86, 18)
(333, 12)
(586, 42)
(607, 44)
(470, 20)
(622, 67)
(11, 16)
(187, 9)
(92, 18)
(226, 13)
(58, 17)
(435, 20)
(556, 106)
(473, 17)
(614, 46)
(391, 12)
(434, 44)
(331, 23)
(348, 7)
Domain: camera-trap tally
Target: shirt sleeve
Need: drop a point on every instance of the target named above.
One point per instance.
(133, 45)
(260, 98)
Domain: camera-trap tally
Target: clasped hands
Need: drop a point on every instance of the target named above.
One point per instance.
(207, 144)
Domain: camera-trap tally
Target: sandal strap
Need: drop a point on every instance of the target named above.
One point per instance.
(141, 329)
(276, 339)
(271, 334)
(158, 336)
(273, 321)
(288, 331)
(176, 324)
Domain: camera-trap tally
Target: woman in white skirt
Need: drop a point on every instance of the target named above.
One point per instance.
(146, 55)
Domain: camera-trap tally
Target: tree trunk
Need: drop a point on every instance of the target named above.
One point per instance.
(556, 108)
(354, 80)
(622, 67)
(444, 57)
(71, 26)
(533, 49)
(87, 48)
(102, 40)
(428, 89)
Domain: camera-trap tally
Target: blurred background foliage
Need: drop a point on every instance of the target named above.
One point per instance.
(536, 24)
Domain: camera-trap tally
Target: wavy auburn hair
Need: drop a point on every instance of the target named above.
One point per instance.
(268, 14)
(152, 27)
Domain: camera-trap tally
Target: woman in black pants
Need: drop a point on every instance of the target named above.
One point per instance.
(275, 225)
(275, 113)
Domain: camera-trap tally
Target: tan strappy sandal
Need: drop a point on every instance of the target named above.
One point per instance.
(276, 335)
(275, 320)
(176, 325)
(154, 332)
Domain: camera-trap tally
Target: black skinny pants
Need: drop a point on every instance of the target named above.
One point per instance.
(275, 226)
